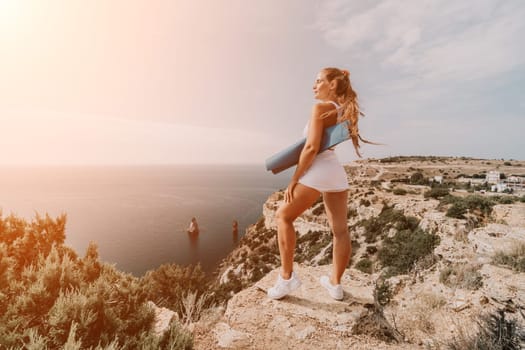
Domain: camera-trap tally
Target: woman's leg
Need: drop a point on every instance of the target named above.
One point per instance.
(337, 209)
(303, 198)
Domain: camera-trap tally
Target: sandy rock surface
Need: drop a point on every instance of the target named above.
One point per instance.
(307, 319)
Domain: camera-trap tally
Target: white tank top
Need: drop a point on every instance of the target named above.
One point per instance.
(339, 110)
(339, 114)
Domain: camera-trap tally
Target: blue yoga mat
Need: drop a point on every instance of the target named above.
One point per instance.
(289, 156)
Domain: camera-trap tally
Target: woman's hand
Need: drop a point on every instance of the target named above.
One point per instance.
(288, 194)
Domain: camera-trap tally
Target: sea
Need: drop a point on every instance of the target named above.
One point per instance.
(138, 215)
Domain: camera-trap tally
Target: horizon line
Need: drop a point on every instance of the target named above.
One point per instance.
(236, 163)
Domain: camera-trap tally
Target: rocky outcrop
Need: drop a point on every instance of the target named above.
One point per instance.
(307, 319)
(437, 301)
(163, 317)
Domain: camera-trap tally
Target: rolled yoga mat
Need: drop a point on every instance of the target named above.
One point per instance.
(289, 156)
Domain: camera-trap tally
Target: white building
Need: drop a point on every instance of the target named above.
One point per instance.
(493, 177)
(499, 187)
(472, 180)
(516, 183)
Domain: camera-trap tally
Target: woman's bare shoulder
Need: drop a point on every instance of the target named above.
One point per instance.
(319, 109)
(322, 107)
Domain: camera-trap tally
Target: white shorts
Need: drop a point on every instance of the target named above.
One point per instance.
(325, 174)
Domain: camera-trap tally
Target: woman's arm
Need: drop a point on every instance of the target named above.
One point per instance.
(311, 147)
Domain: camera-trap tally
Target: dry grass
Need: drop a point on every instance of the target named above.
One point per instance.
(419, 319)
(463, 276)
(193, 306)
(427, 304)
(493, 331)
(432, 301)
(515, 259)
(461, 236)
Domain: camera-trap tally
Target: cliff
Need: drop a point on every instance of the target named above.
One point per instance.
(399, 293)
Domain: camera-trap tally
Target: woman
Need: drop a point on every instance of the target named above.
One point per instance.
(317, 174)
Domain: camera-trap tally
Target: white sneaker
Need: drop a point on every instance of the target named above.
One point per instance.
(335, 292)
(283, 287)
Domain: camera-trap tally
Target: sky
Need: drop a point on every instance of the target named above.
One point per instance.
(230, 81)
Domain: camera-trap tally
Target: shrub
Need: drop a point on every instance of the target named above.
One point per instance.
(352, 212)
(167, 285)
(310, 236)
(474, 204)
(371, 249)
(418, 178)
(318, 210)
(407, 223)
(379, 226)
(495, 333)
(399, 191)
(461, 276)
(383, 292)
(514, 259)
(260, 223)
(311, 244)
(457, 210)
(26, 241)
(364, 202)
(436, 192)
(480, 203)
(399, 253)
(364, 265)
(174, 338)
(505, 199)
(51, 298)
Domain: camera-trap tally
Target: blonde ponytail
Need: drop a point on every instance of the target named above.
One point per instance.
(349, 104)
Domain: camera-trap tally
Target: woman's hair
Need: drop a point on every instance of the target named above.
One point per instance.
(348, 101)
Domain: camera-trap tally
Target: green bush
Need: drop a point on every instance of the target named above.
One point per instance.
(399, 191)
(364, 265)
(480, 203)
(457, 210)
(418, 178)
(318, 210)
(505, 199)
(311, 244)
(436, 192)
(474, 204)
(399, 253)
(371, 249)
(174, 338)
(168, 284)
(353, 212)
(310, 236)
(383, 292)
(52, 299)
(389, 218)
(364, 202)
(26, 241)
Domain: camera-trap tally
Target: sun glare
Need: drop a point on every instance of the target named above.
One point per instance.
(10, 15)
